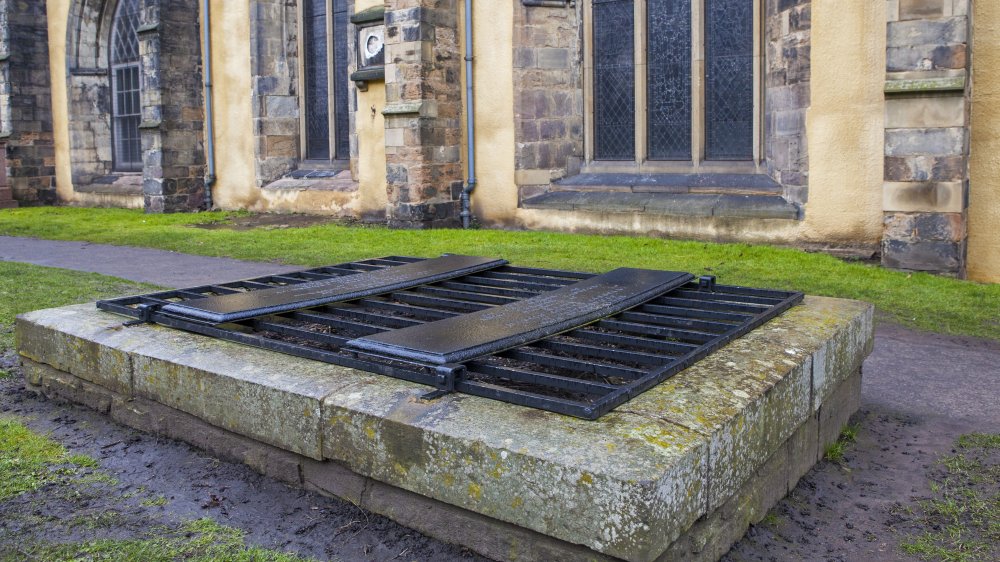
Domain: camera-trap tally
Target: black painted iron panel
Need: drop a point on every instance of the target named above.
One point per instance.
(729, 79)
(239, 306)
(668, 79)
(465, 337)
(614, 79)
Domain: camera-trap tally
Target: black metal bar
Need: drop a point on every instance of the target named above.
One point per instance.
(301, 333)
(465, 295)
(439, 302)
(721, 296)
(651, 344)
(483, 289)
(647, 330)
(541, 379)
(334, 322)
(540, 279)
(368, 317)
(532, 286)
(578, 365)
(420, 312)
(710, 305)
(579, 349)
(663, 320)
(695, 313)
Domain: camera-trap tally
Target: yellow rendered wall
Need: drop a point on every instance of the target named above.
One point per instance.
(494, 200)
(844, 128)
(984, 196)
(235, 186)
(370, 127)
(845, 122)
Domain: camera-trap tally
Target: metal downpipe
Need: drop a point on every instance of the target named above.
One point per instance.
(209, 116)
(470, 116)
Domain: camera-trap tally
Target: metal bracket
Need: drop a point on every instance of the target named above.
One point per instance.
(444, 379)
(706, 283)
(146, 311)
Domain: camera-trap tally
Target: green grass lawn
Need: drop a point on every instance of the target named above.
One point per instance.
(918, 300)
(25, 287)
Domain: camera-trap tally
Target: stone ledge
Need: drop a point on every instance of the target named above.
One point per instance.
(315, 180)
(669, 204)
(627, 485)
(743, 184)
(113, 184)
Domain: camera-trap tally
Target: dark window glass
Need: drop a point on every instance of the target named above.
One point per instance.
(318, 67)
(340, 26)
(125, 106)
(668, 79)
(729, 79)
(614, 80)
(317, 94)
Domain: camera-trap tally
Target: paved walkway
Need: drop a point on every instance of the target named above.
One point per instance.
(916, 373)
(160, 267)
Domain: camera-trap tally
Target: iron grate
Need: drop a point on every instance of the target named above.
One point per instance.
(584, 372)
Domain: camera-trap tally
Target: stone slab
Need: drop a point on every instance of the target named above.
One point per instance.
(923, 196)
(627, 485)
(269, 397)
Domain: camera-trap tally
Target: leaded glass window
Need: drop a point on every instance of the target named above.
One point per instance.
(125, 106)
(672, 80)
(325, 73)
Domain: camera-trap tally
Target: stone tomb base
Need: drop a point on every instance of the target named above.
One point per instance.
(679, 472)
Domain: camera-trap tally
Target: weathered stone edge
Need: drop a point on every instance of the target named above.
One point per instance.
(708, 539)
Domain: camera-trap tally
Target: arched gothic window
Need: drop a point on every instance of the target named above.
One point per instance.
(126, 111)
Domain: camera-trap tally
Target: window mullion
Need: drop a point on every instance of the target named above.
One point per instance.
(641, 148)
(697, 82)
(758, 99)
(331, 75)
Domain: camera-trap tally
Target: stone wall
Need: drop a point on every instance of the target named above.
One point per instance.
(170, 94)
(274, 67)
(787, 44)
(172, 106)
(548, 92)
(925, 194)
(26, 103)
(423, 113)
(89, 93)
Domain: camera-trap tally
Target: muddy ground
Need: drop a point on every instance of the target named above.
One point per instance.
(848, 510)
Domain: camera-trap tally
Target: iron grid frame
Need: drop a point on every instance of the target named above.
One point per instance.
(584, 372)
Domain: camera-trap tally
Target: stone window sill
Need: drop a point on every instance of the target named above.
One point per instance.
(114, 184)
(748, 196)
(314, 180)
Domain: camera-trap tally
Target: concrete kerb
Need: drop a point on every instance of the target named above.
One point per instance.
(628, 485)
